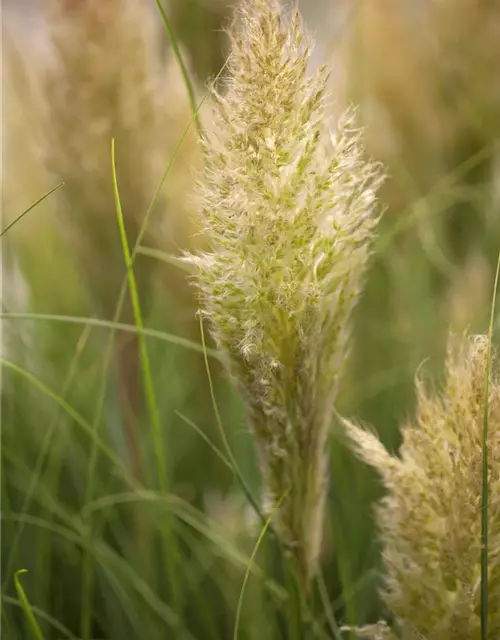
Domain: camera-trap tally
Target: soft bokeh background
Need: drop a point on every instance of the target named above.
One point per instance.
(128, 522)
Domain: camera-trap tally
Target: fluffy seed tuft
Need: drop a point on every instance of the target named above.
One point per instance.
(430, 520)
(289, 210)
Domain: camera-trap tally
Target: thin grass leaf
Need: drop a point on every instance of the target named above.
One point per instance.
(28, 612)
(235, 467)
(484, 489)
(195, 572)
(251, 561)
(170, 545)
(87, 587)
(6, 622)
(146, 367)
(49, 504)
(213, 446)
(111, 324)
(182, 66)
(30, 208)
(327, 607)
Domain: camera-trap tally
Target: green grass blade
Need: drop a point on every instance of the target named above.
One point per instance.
(5, 626)
(251, 561)
(235, 467)
(328, 609)
(136, 307)
(30, 208)
(88, 572)
(111, 324)
(28, 612)
(484, 490)
(150, 396)
(182, 66)
(204, 437)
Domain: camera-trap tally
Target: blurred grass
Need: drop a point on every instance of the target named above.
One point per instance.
(64, 506)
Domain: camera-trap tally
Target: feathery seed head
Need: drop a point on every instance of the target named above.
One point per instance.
(289, 210)
(430, 520)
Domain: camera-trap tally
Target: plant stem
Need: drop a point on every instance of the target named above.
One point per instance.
(296, 603)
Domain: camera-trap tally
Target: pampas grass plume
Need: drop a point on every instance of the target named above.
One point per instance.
(289, 210)
(430, 519)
